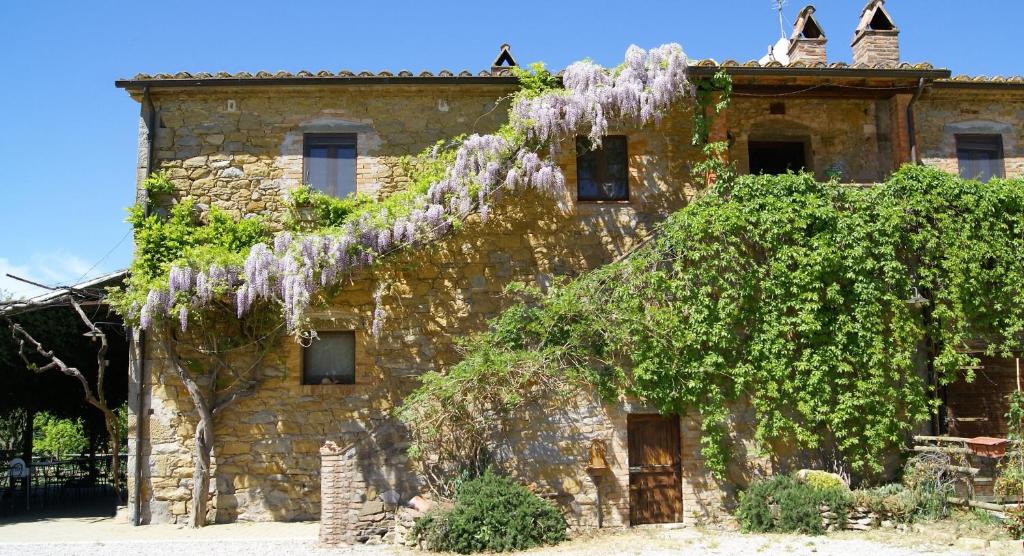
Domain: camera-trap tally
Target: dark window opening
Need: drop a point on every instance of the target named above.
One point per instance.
(777, 157)
(330, 359)
(777, 108)
(329, 163)
(980, 156)
(602, 173)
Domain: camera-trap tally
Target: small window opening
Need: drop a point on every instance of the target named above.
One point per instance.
(879, 22)
(777, 157)
(980, 156)
(330, 359)
(778, 108)
(329, 163)
(602, 173)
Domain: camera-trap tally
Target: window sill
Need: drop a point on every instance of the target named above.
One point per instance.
(624, 202)
(334, 389)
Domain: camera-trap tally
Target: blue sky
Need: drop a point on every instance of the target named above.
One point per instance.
(68, 140)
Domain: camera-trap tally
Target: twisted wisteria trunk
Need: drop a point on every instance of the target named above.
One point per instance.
(201, 471)
(203, 445)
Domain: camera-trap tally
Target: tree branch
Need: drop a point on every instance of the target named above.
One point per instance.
(21, 336)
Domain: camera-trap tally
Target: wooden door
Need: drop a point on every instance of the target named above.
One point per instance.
(655, 469)
(979, 408)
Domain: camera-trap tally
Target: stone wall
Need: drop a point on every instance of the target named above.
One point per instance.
(851, 136)
(266, 457)
(943, 113)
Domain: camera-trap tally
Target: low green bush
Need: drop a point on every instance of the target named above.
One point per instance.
(491, 513)
(823, 480)
(893, 501)
(785, 504)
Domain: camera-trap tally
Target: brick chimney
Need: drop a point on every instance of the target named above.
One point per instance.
(876, 40)
(807, 43)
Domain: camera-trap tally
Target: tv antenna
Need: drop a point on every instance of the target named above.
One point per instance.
(777, 5)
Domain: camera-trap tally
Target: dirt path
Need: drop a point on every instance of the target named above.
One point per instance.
(92, 536)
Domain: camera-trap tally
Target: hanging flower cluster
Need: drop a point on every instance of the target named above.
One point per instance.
(292, 270)
(639, 91)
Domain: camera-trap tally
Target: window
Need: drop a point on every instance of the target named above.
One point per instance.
(329, 163)
(602, 174)
(777, 157)
(330, 359)
(980, 156)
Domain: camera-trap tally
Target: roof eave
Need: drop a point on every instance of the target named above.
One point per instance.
(139, 84)
(844, 72)
(969, 84)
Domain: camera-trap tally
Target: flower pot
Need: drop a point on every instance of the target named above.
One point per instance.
(987, 446)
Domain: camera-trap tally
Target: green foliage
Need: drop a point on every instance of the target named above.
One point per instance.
(492, 514)
(712, 96)
(823, 480)
(786, 292)
(535, 80)
(122, 426)
(714, 165)
(893, 501)
(454, 415)
(1014, 522)
(785, 505)
(326, 211)
(12, 425)
(1010, 479)
(181, 237)
(57, 437)
(158, 182)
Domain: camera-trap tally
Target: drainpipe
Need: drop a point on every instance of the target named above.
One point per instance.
(911, 134)
(137, 336)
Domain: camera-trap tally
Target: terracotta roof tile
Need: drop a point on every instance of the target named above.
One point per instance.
(505, 72)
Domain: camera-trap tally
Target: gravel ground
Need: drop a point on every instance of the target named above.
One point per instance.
(83, 536)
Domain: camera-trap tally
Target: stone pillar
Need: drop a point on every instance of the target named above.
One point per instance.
(347, 516)
(336, 523)
(900, 130)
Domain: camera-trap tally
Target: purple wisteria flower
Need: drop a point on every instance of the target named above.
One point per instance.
(637, 93)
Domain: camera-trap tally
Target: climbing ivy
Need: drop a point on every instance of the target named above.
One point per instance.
(808, 300)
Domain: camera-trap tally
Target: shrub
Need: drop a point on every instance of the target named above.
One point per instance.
(785, 504)
(892, 501)
(823, 480)
(928, 477)
(1015, 523)
(491, 513)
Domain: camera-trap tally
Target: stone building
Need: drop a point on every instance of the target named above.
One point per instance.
(240, 141)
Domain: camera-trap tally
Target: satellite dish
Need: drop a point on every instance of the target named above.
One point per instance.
(16, 469)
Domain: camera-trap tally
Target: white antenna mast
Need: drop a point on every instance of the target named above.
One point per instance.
(778, 5)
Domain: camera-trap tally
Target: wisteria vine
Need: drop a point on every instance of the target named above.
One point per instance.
(521, 155)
